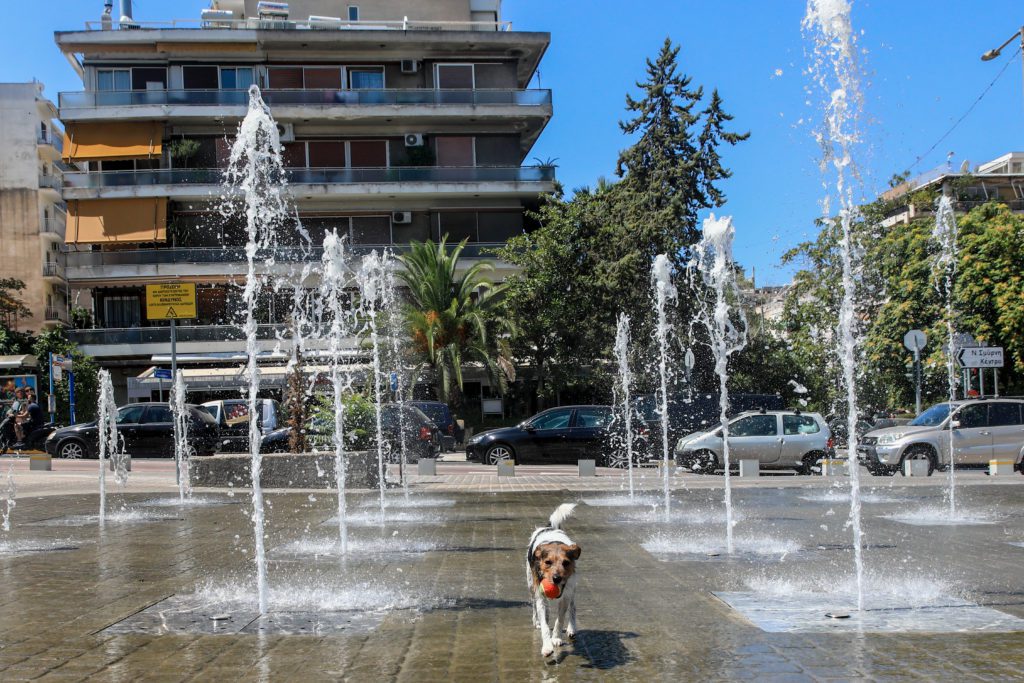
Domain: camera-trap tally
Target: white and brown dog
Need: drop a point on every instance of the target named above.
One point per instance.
(551, 577)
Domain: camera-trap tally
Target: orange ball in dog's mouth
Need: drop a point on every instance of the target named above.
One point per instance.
(552, 591)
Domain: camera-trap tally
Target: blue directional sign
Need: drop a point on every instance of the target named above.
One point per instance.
(394, 381)
(162, 373)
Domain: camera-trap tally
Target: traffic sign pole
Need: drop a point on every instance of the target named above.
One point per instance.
(51, 404)
(917, 381)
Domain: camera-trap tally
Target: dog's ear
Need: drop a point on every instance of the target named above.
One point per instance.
(574, 551)
(539, 553)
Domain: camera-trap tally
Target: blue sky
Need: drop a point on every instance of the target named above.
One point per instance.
(922, 73)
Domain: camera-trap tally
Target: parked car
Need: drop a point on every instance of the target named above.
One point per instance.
(979, 430)
(776, 438)
(422, 436)
(441, 414)
(145, 430)
(687, 415)
(557, 435)
(232, 416)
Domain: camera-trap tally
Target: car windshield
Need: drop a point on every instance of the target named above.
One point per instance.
(932, 417)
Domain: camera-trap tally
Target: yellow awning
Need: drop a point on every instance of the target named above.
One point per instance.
(121, 140)
(102, 221)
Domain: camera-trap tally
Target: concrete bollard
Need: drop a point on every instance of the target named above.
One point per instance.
(750, 468)
(426, 467)
(1000, 467)
(915, 468)
(506, 468)
(40, 463)
(587, 468)
(127, 463)
(834, 467)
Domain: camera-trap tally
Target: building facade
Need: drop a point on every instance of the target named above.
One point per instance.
(32, 215)
(401, 120)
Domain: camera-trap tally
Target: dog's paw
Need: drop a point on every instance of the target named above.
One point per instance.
(547, 650)
(570, 633)
(557, 642)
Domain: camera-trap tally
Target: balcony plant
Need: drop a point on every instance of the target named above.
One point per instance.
(182, 151)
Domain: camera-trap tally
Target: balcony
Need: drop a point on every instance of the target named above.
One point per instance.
(200, 339)
(307, 25)
(50, 182)
(49, 138)
(53, 226)
(202, 183)
(54, 270)
(55, 314)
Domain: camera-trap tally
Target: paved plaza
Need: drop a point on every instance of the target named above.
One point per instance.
(437, 592)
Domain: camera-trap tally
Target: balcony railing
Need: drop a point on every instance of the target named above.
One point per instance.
(184, 333)
(50, 181)
(318, 176)
(55, 314)
(53, 269)
(197, 255)
(138, 98)
(50, 138)
(287, 25)
(53, 226)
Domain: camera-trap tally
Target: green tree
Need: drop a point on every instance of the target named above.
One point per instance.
(12, 307)
(448, 313)
(84, 367)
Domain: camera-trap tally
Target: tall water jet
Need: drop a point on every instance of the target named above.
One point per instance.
(182, 449)
(256, 170)
(836, 73)
(372, 278)
(945, 234)
(10, 498)
(715, 266)
(106, 425)
(332, 291)
(395, 323)
(624, 385)
(664, 290)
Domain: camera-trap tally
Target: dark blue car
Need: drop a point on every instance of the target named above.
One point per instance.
(557, 435)
(441, 415)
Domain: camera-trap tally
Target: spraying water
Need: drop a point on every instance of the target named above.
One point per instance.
(389, 302)
(332, 291)
(837, 75)
(256, 170)
(182, 449)
(661, 280)
(945, 235)
(106, 424)
(10, 498)
(625, 382)
(372, 280)
(717, 270)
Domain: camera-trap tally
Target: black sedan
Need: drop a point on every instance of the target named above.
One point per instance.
(145, 429)
(558, 435)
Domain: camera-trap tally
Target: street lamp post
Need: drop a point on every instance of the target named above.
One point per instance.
(992, 54)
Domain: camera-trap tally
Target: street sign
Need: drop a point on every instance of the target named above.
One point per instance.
(963, 340)
(394, 381)
(171, 301)
(980, 357)
(57, 373)
(915, 340)
(162, 373)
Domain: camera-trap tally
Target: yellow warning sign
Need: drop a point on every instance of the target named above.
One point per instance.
(174, 300)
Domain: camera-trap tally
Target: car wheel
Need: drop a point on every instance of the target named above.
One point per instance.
(499, 451)
(809, 462)
(919, 453)
(72, 449)
(618, 460)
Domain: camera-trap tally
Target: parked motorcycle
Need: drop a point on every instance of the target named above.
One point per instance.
(34, 440)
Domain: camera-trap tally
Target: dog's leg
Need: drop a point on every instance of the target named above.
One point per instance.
(533, 594)
(570, 609)
(556, 630)
(541, 611)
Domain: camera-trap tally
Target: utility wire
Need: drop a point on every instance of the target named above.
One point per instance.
(967, 113)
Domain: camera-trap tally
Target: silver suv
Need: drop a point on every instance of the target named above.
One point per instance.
(776, 438)
(978, 429)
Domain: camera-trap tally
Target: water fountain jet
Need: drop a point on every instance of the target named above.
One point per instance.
(661, 279)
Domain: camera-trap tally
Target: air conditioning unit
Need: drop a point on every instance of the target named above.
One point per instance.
(272, 10)
(401, 217)
(216, 18)
(410, 66)
(413, 139)
(286, 131)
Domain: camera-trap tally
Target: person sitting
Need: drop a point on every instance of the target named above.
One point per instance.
(19, 409)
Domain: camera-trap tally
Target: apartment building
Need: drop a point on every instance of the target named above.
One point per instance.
(401, 120)
(1001, 180)
(32, 215)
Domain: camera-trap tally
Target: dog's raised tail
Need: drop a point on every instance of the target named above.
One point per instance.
(561, 513)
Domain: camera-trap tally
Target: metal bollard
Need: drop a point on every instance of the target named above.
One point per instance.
(587, 468)
(915, 468)
(506, 468)
(834, 467)
(427, 467)
(1000, 467)
(127, 463)
(40, 463)
(750, 468)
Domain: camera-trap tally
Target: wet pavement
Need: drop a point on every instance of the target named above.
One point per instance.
(438, 591)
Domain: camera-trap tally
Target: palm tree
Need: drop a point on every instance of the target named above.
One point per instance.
(447, 315)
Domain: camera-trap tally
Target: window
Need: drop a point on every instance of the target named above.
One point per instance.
(157, 414)
(455, 151)
(199, 77)
(973, 416)
(143, 78)
(121, 311)
(353, 12)
(324, 78)
(554, 419)
(326, 154)
(368, 153)
(233, 78)
(592, 417)
(1003, 414)
(754, 425)
(371, 230)
(129, 414)
(366, 78)
(285, 78)
(455, 77)
(799, 424)
(114, 79)
(457, 225)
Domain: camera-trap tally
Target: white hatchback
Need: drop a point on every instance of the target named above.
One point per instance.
(781, 439)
